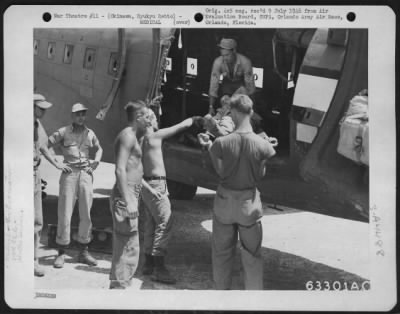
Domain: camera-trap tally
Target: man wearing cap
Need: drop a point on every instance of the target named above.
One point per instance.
(76, 182)
(234, 69)
(40, 105)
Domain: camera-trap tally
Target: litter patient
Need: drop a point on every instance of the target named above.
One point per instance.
(221, 123)
(212, 126)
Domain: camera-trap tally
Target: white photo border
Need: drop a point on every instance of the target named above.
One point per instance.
(19, 22)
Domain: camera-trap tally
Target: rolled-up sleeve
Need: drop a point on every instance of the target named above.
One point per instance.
(216, 149)
(267, 151)
(57, 136)
(214, 80)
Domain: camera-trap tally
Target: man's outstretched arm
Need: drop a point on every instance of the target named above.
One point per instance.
(172, 130)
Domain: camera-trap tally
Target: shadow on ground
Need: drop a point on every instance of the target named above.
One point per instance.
(189, 256)
(189, 259)
(105, 192)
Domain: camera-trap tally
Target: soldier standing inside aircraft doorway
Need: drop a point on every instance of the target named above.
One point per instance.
(76, 182)
(234, 69)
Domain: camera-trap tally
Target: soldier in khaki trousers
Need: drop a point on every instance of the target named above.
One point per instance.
(40, 105)
(239, 159)
(76, 182)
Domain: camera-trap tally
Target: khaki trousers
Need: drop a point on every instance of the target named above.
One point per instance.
(38, 223)
(125, 255)
(224, 241)
(158, 222)
(237, 214)
(75, 185)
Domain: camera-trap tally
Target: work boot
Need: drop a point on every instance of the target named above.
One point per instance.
(148, 265)
(59, 261)
(38, 270)
(160, 272)
(85, 258)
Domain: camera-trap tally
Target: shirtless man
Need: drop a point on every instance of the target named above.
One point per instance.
(125, 195)
(157, 223)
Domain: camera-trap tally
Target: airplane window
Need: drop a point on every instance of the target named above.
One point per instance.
(36, 46)
(68, 52)
(51, 50)
(113, 65)
(90, 58)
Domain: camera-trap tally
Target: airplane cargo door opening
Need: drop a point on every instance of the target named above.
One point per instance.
(300, 96)
(275, 61)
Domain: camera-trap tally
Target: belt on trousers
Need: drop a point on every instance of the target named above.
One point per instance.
(155, 178)
(78, 166)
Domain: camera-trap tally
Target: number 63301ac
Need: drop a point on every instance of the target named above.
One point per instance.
(337, 285)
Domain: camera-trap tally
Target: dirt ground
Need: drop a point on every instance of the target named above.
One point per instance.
(298, 247)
